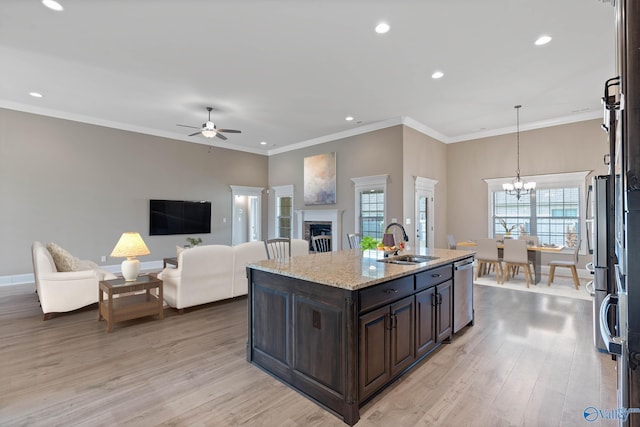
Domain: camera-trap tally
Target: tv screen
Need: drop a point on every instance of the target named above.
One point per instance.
(179, 217)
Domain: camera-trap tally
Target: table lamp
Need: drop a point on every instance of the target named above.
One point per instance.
(130, 246)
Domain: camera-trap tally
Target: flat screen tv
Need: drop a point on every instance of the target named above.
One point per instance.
(179, 217)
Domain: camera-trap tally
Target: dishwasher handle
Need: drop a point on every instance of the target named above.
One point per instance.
(463, 266)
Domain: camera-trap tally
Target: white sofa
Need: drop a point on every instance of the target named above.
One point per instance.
(209, 273)
(65, 290)
(299, 247)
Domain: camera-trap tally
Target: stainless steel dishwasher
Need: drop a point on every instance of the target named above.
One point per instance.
(462, 293)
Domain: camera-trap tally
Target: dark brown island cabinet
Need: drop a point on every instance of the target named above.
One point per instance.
(341, 346)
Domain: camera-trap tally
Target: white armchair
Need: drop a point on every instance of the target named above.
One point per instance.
(64, 291)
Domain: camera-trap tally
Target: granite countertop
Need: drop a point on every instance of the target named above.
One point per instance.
(354, 269)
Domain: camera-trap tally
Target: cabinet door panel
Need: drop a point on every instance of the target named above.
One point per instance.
(402, 335)
(271, 320)
(318, 352)
(374, 351)
(445, 310)
(425, 321)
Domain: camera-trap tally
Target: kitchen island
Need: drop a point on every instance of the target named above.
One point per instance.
(341, 326)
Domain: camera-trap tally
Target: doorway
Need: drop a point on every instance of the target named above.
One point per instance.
(247, 214)
(424, 215)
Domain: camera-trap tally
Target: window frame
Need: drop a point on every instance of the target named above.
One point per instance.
(364, 184)
(280, 191)
(557, 180)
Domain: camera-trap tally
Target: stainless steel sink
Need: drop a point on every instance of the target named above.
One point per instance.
(408, 259)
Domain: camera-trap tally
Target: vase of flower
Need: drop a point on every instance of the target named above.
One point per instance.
(507, 229)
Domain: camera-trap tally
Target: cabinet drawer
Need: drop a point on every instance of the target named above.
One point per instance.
(433, 277)
(385, 293)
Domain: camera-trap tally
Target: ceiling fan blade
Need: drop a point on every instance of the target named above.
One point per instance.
(186, 126)
(221, 136)
(194, 134)
(229, 130)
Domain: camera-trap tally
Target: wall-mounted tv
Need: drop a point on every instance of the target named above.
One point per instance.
(179, 217)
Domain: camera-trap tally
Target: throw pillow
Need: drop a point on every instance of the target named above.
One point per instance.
(63, 260)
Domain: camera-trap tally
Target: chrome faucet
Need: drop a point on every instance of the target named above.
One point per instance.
(404, 233)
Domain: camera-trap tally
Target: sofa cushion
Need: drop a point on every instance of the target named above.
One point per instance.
(63, 260)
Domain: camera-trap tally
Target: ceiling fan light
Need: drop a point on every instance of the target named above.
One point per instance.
(209, 133)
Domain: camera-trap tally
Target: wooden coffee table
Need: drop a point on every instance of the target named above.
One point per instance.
(133, 305)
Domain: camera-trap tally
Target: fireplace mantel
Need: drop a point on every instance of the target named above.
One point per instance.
(333, 215)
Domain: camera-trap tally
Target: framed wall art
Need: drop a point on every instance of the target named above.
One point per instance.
(320, 179)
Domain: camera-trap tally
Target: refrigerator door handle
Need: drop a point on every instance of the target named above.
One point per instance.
(613, 344)
(589, 288)
(590, 268)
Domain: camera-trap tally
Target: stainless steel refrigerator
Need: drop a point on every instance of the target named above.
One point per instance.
(624, 339)
(601, 244)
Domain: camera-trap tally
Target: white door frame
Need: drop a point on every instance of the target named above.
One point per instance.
(425, 187)
(256, 220)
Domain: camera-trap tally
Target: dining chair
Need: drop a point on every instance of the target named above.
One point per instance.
(321, 243)
(354, 240)
(531, 240)
(278, 248)
(487, 256)
(514, 255)
(570, 264)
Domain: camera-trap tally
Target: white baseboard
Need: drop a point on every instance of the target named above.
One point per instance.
(21, 279)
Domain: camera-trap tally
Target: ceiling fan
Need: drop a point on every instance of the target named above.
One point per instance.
(209, 129)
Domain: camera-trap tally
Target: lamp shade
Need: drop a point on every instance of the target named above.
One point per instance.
(130, 245)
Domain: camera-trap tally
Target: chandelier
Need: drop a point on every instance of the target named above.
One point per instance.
(518, 187)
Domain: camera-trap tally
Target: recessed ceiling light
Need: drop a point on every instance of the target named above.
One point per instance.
(437, 75)
(543, 40)
(348, 118)
(263, 143)
(35, 94)
(382, 28)
(53, 5)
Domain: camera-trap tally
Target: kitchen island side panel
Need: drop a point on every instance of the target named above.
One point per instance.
(309, 325)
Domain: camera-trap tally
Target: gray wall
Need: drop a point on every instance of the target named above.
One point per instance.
(566, 148)
(373, 153)
(82, 185)
(425, 157)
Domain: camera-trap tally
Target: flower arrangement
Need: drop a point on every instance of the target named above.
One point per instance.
(507, 229)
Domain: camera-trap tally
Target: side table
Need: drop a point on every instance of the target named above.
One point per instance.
(126, 307)
(170, 261)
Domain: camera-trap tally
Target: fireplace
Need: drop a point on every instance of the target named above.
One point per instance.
(321, 222)
(316, 228)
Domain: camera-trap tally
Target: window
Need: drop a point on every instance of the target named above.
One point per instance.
(372, 213)
(284, 210)
(552, 212)
(370, 206)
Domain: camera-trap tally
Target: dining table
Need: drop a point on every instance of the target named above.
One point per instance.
(534, 254)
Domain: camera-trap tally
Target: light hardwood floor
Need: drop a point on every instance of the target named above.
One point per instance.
(529, 360)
